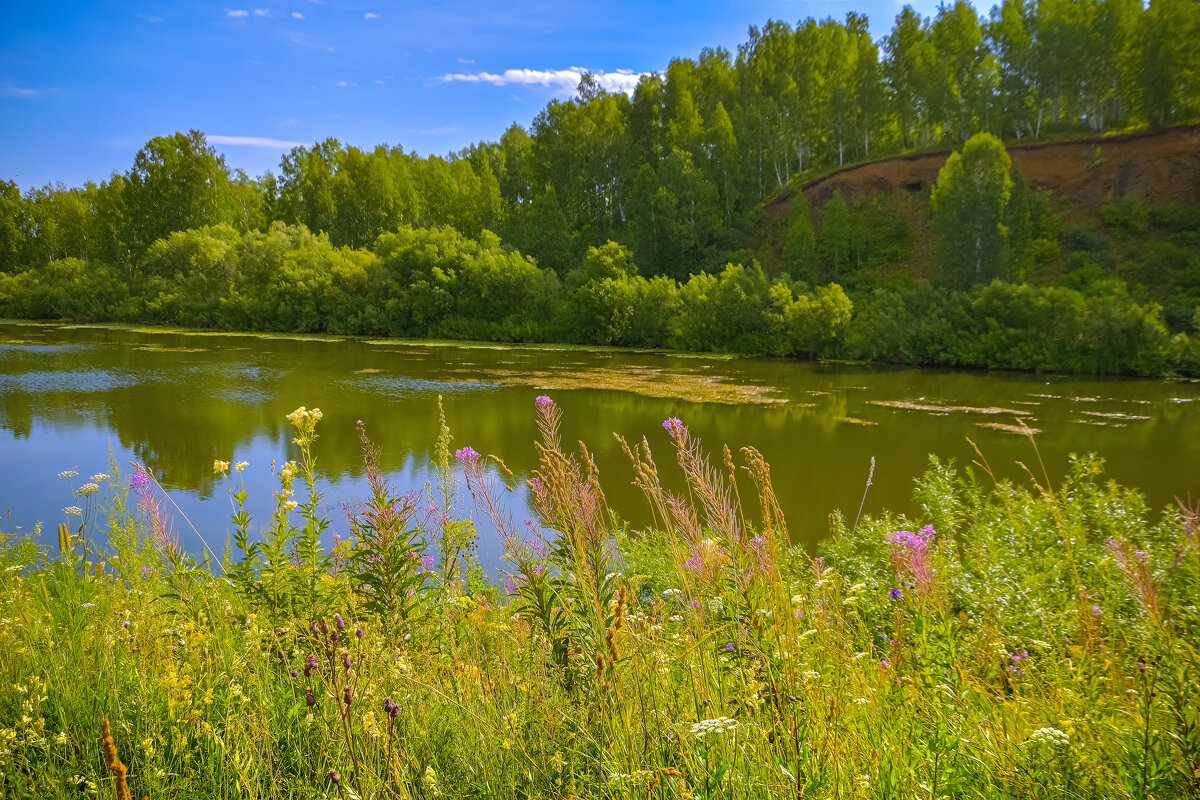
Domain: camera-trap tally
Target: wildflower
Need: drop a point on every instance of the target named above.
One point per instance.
(73, 511)
(467, 455)
(909, 554)
(358, 632)
(716, 726)
(1050, 736)
(292, 672)
(220, 467)
(430, 780)
(346, 661)
(674, 426)
(139, 481)
(542, 401)
(390, 708)
(99, 477)
(68, 473)
(125, 624)
(241, 465)
(895, 594)
(341, 624)
(87, 490)
(333, 776)
(348, 695)
(310, 666)
(309, 698)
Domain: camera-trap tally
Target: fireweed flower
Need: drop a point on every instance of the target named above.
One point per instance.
(542, 401)
(674, 426)
(467, 455)
(1139, 575)
(909, 554)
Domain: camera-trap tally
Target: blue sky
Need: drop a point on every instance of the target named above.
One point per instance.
(84, 85)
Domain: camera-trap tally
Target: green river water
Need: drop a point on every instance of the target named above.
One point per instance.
(176, 401)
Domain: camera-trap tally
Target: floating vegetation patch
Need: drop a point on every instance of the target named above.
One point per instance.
(1026, 403)
(1023, 430)
(367, 371)
(1113, 415)
(856, 421)
(645, 381)
(935, 408)
(1046, 396)
(1100, 423)
(159, 348)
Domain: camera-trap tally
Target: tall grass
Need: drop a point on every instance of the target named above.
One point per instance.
(1009, 642)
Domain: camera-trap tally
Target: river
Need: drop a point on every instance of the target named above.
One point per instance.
(176, 401)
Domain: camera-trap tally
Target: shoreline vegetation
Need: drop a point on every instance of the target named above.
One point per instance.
(1007, 641)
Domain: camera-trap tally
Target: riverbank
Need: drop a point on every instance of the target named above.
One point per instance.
(1002, 641)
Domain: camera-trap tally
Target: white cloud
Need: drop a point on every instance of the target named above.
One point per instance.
(342, 83)
(152, 20)
(297, 15)
(11, 90)
(466, 61)
(370, 15)
(252, 141)
(262, 12)
(561, 80)
(237, 13)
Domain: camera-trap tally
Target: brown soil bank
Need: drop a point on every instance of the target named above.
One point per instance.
(1154, 166)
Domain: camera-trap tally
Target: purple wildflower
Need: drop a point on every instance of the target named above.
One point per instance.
(674, 426)
(333, 776)
(542, 401)
(895, 594)
(346, 659)
(348, 695)
(467, 455)
(293, 673)
(310, 699)
(427, 563)
(909, 554)
(341, 623)
(358, 632)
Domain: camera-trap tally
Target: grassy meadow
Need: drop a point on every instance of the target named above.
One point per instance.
(1011, 641)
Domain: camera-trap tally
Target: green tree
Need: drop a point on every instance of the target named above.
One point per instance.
(800, 245)
(177, 182)
(970, 200)
(835, 237)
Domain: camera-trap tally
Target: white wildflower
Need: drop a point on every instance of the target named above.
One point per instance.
(716, 726)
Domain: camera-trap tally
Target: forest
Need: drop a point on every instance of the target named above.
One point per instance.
(639, 221)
